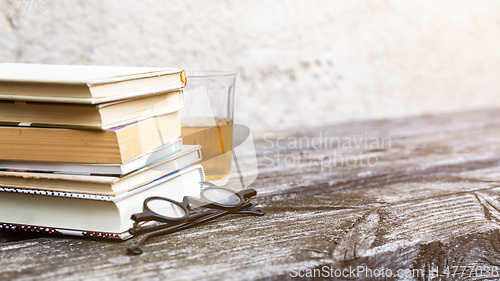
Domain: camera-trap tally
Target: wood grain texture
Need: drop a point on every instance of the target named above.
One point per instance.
(431, 202)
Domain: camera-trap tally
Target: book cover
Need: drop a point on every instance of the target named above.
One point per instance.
(100, 185)
(84, 83)
(61, 231)
(90, 215)
(90, 117)
(118, 170)
(114, 146)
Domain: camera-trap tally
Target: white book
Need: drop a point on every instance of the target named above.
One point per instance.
(103, 116)
(87, 214)
(84, 84)
(141, 161)
(101, 185)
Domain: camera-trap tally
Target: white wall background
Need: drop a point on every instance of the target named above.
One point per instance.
(300, 62)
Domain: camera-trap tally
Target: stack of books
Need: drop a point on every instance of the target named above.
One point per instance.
(81, 147)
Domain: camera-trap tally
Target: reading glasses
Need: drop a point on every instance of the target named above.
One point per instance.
(173, 216)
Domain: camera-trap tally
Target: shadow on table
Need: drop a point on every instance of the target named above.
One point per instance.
(7, 235)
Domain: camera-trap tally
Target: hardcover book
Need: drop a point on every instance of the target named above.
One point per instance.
(117, 170)
(83, 83)
(101, 185)
(113, 146)
(90, 215)
(87, 116)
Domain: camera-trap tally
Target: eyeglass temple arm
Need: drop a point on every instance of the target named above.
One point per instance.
(244, 210)
(144, 216)
(136, 250)
(250, 212)
(136, 230)
(247, 193)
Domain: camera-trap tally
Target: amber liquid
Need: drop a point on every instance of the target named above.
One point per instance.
(216, 143)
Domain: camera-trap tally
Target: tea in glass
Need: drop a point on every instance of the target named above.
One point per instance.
(207, 120)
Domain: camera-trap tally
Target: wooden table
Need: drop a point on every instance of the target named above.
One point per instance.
(423, 202)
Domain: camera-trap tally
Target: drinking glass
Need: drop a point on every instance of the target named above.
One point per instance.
(207, 120)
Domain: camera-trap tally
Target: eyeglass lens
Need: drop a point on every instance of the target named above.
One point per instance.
(166, 209)
(221, 196)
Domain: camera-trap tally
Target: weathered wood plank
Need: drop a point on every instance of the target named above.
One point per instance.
(431, 201)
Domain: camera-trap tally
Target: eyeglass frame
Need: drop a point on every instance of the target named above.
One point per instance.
(189, 220)
(149, 215)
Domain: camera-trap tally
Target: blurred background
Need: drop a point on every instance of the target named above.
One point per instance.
(300, 63)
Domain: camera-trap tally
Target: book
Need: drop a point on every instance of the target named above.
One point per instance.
(113, 146)
(101, 185)
(117, 170)
(87, 214)
(87, 116)
(83, 83)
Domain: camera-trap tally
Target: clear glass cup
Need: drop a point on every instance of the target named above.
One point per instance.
(207, 120)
